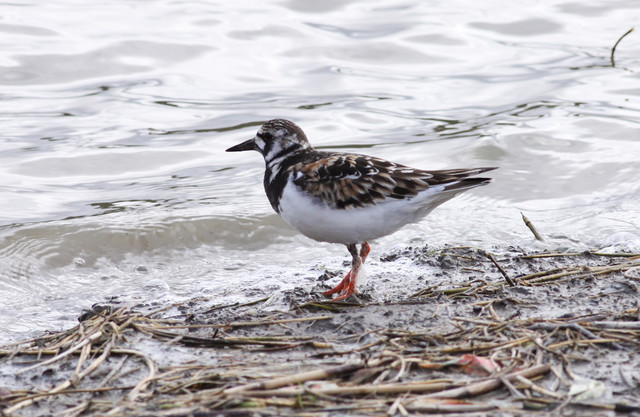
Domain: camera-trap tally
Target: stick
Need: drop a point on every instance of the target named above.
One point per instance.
(297, 378)
(588, 252)
(613, 50)
(511, 388)
(153, 369)
(63, 355)
(574, 326)
(244, 323)
(113, 372)
(580, 342)
(592, 271)
(489, 385)
(531, 227)
(502, 271)
(628, 325)
(77, 376)
(442, 407)
(365, 389)
(531, 385)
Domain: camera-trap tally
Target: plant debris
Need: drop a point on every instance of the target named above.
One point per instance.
(476, 346)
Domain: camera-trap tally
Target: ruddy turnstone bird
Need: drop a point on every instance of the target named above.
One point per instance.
(344, 197)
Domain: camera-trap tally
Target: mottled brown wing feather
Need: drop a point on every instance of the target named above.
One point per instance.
(349, 180)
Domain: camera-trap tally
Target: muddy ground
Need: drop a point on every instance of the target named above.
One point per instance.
(550, 334)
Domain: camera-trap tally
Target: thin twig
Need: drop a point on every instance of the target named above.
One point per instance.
(531, 227)
(295, 379)
(77, 377)
(511, 388)
(613, 50)
(502, 271)
(245, 323)
(536, 388)
(153, 369)
(627, 325)
(489, 385)
(80, 345)
(441, 407)
(365, 389)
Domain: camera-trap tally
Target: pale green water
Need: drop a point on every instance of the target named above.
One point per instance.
(115, 117)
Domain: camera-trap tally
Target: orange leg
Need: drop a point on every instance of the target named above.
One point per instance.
(348, 284)
(364, 251)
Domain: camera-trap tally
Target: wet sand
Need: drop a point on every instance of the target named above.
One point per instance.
(563, 339)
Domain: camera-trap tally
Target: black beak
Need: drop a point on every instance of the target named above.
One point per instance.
(249, 145)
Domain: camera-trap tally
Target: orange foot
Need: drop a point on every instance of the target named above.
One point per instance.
(347, 286)
(346, 281)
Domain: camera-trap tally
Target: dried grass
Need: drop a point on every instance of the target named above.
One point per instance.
(481, 364)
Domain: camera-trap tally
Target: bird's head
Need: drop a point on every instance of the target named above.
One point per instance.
(275, 139)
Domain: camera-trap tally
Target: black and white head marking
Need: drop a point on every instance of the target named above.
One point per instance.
(277, 139)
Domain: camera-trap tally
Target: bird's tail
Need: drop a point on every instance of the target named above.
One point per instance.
(457, 180)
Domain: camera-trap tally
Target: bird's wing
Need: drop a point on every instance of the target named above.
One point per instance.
(351, 180)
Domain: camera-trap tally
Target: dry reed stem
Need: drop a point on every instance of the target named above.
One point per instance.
(245, 323)
(626, 325)
(80, 345)
(430, 405)
(479, 388)
(502, 271)
(365, 389)
(77, 376)
(295, 379)
(531, 227)
(534, 387)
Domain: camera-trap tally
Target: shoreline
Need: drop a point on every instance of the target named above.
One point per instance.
(564, 335)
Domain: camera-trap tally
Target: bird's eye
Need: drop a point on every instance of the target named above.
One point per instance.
(266, 135)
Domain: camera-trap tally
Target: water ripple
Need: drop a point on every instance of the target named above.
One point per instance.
(115, 117)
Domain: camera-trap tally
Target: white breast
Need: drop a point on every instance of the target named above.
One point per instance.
(353, 225)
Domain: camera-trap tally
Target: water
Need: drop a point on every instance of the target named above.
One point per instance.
(115, 117)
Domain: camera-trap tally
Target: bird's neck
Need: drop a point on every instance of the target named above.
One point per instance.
(277, 158)
(276, 174)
